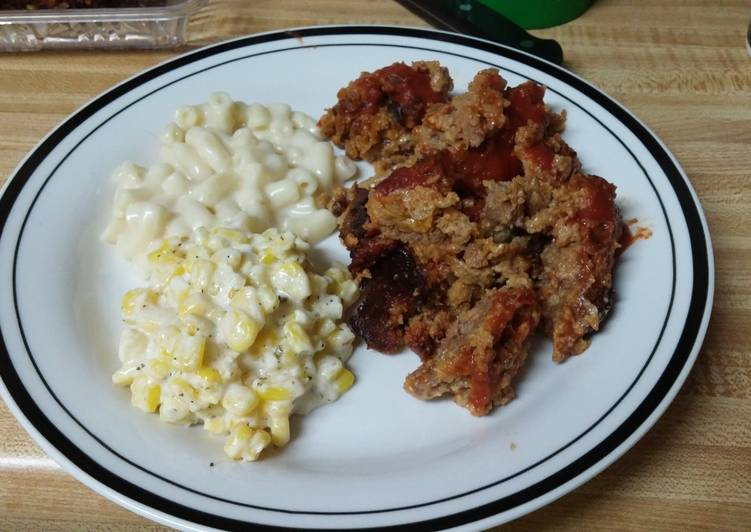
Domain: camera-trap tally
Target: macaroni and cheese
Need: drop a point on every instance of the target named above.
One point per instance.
(225, 162)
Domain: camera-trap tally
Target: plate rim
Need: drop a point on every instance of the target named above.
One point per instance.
(658, 150)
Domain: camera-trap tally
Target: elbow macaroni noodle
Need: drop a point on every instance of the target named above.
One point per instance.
(233, 330)
(228, 163)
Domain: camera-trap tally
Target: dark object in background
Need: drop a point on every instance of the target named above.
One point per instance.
(476, 19)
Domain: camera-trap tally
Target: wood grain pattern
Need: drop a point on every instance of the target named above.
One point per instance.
(682, 67)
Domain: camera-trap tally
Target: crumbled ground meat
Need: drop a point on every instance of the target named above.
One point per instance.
(483, 230)
(375, 113)
(482, 352)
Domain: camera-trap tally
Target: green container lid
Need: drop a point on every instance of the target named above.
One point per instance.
(536, 14)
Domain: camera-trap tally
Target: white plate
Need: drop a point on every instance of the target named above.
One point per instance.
(377, 457)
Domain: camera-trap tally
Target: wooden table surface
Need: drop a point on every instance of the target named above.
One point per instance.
(682, 67)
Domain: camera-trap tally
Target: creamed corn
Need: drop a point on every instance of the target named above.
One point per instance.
(235, 332)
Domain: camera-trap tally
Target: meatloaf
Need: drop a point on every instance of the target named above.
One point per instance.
(482, 229)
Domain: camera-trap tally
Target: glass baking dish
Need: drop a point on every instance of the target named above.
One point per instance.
(154, 24)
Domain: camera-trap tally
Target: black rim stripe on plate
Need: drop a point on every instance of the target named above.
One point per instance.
(579, 466)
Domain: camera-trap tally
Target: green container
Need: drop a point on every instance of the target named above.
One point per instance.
(536, 14)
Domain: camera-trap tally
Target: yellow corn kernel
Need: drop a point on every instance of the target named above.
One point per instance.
(338, 273)
(210, 396)
(161, 277)
(246, 299)
(344, 381)
(152, 297)
(267, 340)
(301, 317)
(149, 325)
(258, 442)
(282, 241)
(179, 384)
(246, 444)
(174, 410)
(238, 441)
(145, 394)
(187, 352)
(297, 339)
(158, 368)
(214, 313)
(233, 235)
(229, 256)
(273, 393)
(348, 291)
(343, 351)
(135, 298)
(125, 375)
(180, 389)
(329, 367)
(164, 247)
(164, 254)
(231, 422)
(254, 420)
(279, 428)
(341, 284)
(209, 375)
(201, 271)
(318, 283)
(289, 359)
(267, 298)
(325, 327)
(194, 303)
(342, 336)
(215, 425)
(239, 400)
(268, 257)
(333, 288)
(291, 279)
(276, 409)
(239, 330)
